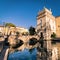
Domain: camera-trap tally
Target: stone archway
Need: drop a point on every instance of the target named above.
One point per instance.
(32, 41)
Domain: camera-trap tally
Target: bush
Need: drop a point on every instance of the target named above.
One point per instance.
(53, 35)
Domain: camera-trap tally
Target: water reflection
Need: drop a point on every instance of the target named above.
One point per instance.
(26, 54)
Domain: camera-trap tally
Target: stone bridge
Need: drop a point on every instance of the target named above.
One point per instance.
(25, 39)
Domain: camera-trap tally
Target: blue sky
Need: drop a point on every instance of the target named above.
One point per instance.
(23, 12)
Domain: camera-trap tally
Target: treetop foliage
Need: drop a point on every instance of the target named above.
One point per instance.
(9, 25)
(32, 30)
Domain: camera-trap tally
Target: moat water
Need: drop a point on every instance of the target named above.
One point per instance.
(26, 54)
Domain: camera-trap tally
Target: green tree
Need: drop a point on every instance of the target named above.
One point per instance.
(53, 35)
(9, 25)
(32, 30)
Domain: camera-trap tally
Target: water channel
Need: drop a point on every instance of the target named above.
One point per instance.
(29, 52)
(26, 54)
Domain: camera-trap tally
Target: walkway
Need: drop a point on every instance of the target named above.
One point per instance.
(3, 53)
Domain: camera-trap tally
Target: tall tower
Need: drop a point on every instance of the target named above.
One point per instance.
(46, 23)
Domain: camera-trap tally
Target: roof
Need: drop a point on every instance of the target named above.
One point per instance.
(45, 10)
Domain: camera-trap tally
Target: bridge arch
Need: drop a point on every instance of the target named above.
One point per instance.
(32, 41)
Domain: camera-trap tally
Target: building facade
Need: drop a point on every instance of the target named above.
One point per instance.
(57, 26)
(12, 30)
(47, 23)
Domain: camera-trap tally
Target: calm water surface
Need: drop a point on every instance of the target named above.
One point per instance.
(26, 54)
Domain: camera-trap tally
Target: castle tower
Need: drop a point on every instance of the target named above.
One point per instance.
(46, 23)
